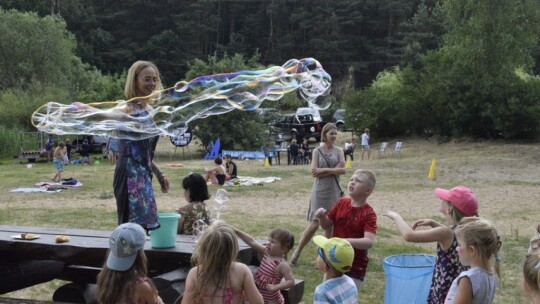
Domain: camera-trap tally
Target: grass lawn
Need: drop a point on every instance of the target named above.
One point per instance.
(505, 177)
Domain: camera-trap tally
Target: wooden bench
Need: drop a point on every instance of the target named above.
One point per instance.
(25, 301)
(79, 261)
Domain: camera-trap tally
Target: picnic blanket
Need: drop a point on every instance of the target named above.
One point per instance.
(41, 189)
(50, 187)
(249, 181)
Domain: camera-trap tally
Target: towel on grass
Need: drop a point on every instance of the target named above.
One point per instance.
(30, 190)
(249, 181)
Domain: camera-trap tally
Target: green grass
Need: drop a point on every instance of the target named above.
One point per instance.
(504, 176)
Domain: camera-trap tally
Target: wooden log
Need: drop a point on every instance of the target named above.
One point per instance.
(76, 293)
(79, 274)
(19, 274)
(23, 301)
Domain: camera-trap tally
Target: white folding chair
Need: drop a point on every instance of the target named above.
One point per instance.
(382, 148)
(397, 148)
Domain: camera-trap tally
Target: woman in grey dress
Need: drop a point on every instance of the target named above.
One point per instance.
(327, 164)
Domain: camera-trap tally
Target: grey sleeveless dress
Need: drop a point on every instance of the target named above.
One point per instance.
(325, 190)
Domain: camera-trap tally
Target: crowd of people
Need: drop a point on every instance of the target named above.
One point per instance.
(467, 263)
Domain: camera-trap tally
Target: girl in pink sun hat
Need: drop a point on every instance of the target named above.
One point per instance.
(456, 203)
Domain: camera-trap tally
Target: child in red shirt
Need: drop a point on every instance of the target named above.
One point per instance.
(353, 219)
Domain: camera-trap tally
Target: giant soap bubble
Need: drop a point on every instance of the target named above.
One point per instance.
(175, 107)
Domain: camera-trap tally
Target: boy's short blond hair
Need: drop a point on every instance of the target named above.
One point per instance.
(371, 180)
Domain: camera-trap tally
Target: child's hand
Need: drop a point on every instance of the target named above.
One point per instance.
(423, 222)
(320, 213)
(164, 183)
(271, 287)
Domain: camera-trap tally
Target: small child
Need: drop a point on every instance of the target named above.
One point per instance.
(195, 193)
(455, 204)
(478, 244)
(531, 276)
(123, 278)
(58, 159)
(335, 256)
(216, 277)
(85, 152)
(274, 266)
(352, 218)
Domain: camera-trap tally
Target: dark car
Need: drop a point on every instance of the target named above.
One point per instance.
(339, 119)
(98, 144)
(296, 126)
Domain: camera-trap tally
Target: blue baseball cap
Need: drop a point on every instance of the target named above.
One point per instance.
(125, 242)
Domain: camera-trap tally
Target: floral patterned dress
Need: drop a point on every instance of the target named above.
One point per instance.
(132, 182)
(447, 268)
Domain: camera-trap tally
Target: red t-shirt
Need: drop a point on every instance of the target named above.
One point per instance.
(353, 222)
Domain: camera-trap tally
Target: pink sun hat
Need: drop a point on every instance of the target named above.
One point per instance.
(461, 197)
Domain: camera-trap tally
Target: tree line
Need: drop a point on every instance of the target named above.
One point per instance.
(455, 68)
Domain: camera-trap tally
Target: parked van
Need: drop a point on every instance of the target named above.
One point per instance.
(315, 113)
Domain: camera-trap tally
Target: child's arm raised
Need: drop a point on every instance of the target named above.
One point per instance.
(441, 234)
(426, 222)
(248, 239)
(283, 270)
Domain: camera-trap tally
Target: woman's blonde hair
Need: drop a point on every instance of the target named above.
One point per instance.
(215, 252)
(113, 286)
(327, 128)
(482, 235)
(531, 270)
(130, 90)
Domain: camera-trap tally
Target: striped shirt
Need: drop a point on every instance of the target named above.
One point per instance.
(340, 290)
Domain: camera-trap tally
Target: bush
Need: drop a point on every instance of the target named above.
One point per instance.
(9, 141)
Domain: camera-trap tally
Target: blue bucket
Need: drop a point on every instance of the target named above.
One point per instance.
(165, 236)
(408, 278)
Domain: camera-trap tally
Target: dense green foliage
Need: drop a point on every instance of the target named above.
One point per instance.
(241, 128)
(477, 84)
(452, 67)
(368, 35)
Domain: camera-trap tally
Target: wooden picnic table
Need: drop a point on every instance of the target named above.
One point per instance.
(24, 263)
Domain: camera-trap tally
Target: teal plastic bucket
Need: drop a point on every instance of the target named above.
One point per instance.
(165, 236)
(408, 278)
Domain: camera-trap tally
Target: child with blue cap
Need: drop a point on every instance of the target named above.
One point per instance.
(123, 278)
